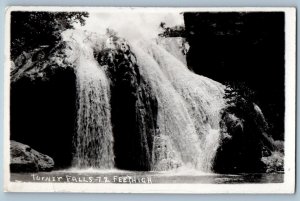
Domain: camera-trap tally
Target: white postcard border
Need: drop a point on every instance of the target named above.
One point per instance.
(290, 116)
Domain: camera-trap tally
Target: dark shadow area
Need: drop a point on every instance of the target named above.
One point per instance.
(43, 114)
(243, 48)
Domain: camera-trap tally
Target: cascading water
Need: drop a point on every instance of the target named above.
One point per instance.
(188, 105)
(93, 140)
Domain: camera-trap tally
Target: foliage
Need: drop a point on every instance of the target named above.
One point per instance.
(240, 99)
(235, 91)
(175, 31)
(274, 162)
(30, 30)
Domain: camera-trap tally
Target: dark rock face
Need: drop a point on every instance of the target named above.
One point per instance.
(48, 93)
(244, 140)
(26, 159)
(134, 109)
(42, 109)
(242, 47)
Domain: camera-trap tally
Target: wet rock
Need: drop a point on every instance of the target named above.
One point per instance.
(26, 159)
(134, 108)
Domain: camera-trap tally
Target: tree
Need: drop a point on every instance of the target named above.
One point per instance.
(30, 30)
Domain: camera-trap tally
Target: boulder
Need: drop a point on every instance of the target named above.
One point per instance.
(25, 159)
(244, 140)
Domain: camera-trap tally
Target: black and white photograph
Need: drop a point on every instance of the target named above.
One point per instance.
(150, 100)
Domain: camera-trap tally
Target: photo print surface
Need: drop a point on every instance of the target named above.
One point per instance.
(167, 100)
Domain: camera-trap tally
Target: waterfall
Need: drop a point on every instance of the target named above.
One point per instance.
(188, 105)
(93, 140)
